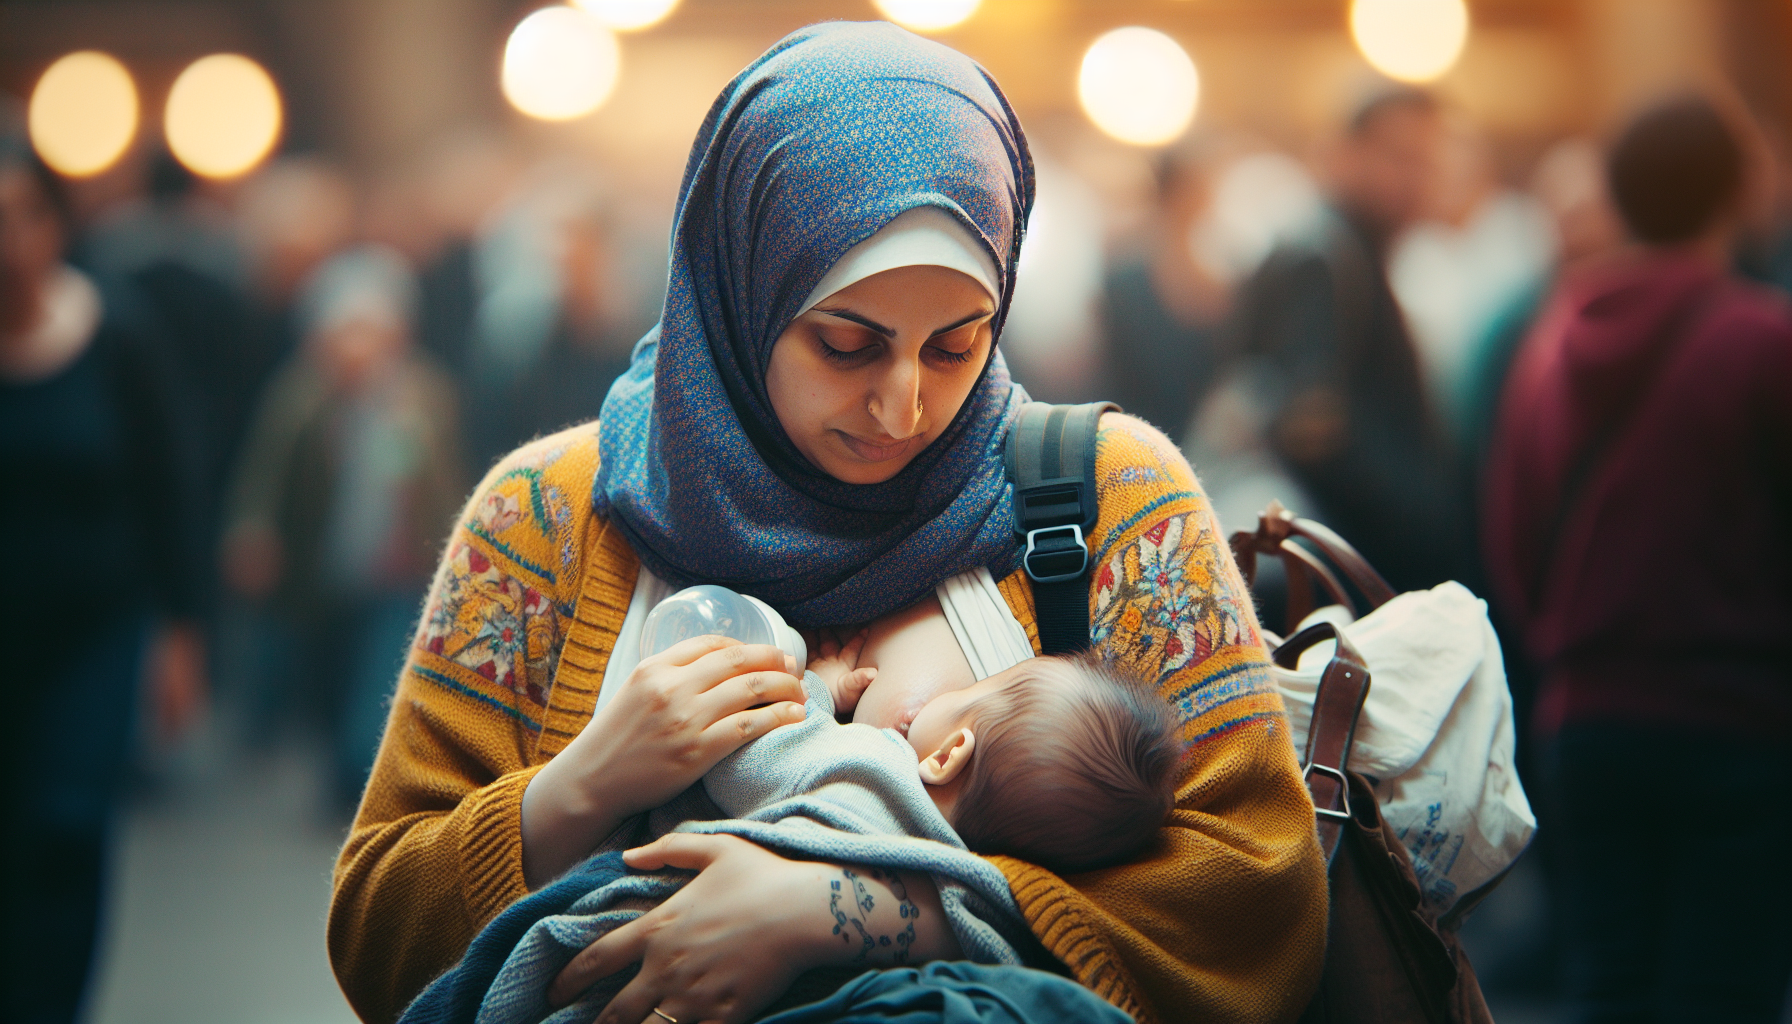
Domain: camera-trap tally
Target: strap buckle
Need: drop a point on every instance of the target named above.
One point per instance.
(1056, 554)
(1343, 790)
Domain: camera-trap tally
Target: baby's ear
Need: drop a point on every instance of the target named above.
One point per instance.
(945, 764)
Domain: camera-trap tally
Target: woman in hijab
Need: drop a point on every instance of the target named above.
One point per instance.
(818, 419)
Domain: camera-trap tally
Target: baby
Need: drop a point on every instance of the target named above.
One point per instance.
(1067, 762)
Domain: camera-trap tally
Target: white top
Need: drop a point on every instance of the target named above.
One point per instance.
(925, 236)
(990, 636)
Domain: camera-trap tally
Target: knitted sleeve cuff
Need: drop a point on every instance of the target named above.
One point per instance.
(491, 845)
(1050, 908)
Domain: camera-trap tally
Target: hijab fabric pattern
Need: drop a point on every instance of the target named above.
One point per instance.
(827, 137)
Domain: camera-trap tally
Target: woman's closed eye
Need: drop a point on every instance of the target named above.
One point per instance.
(956, 344)
(847, 350)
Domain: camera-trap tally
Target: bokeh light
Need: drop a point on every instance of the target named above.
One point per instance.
(83, 113)
(1410, 40)
(628, 15)
(223, 115)
(928, 15)
(1139, 86)
(560, 63)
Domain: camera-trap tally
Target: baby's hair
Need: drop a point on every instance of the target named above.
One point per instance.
(1071, 773)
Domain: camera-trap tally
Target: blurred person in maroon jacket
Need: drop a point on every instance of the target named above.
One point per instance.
(1638, 527)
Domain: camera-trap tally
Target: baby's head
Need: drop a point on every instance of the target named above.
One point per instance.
(1068, 762)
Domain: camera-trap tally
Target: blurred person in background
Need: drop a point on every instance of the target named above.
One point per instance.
(463, 179)
(1260, 201)
(1638, 497)
(293, 214)
(1569, 182)
(179, 250)
(1336, 372)
(1161, 307)
(350, 476)
(1481, 247)
(549, 333)
(105, 575)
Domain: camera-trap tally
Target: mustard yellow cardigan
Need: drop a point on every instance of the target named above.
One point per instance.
(1222, 920)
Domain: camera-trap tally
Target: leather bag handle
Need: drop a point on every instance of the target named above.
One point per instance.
(1337, 706)
(1276, 529)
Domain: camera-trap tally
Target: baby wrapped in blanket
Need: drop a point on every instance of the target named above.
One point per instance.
(960, 741)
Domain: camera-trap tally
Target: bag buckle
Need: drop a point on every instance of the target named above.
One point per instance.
(1056, 554)
(1343, 790)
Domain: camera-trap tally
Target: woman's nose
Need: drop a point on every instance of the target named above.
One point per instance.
(896, 401)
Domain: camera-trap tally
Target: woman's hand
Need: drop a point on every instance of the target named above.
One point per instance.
(677, 714)
(733, 939)
(837, 664)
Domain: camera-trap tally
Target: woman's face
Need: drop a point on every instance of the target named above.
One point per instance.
(869, 377)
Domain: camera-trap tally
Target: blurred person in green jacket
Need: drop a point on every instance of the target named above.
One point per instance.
(349, 481)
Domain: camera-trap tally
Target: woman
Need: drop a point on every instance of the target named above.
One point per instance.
(105, 578)
(838, 458)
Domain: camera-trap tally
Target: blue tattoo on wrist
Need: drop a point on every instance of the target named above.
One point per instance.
(862, 901)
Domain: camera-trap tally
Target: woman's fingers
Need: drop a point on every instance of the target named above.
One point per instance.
(743, 726)
(724, 663)
(687, 851)
(601, 959)
(751, 690)
(635, 1003)
(687, 651)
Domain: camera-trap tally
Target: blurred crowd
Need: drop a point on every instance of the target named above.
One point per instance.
(238, 421)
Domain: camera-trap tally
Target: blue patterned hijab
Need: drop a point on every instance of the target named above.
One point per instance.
(823, 140)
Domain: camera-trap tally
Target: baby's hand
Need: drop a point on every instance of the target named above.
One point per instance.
(838, 666)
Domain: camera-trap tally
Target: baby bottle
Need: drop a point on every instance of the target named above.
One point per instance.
(709, 609)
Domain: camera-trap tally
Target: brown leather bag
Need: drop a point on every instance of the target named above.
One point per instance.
(1387, 960)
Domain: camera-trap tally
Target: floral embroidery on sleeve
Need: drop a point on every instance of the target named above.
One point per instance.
(493, 624)
(1166, 599)
(1160, 590)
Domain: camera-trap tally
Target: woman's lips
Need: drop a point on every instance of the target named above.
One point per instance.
(875, 452)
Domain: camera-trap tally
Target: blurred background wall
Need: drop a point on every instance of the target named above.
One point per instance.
(373, 83)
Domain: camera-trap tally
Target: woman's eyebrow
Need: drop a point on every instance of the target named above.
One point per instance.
(865, 322)
(890, 332)
(956, 324)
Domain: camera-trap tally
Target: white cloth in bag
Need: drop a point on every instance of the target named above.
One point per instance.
(1435, 734)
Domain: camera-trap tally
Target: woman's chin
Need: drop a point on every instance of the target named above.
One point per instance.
(852, 461)
(852, 470)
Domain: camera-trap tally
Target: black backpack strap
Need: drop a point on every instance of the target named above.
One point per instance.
(1051, 463)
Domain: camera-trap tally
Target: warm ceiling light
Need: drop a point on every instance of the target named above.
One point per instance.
(560, 63)
(1411, 40)
(223, 115)
(628, 15)
(928, 15)
(83, 113)
(1139, 86)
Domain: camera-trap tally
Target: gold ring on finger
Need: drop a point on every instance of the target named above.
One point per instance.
(663, 1015)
